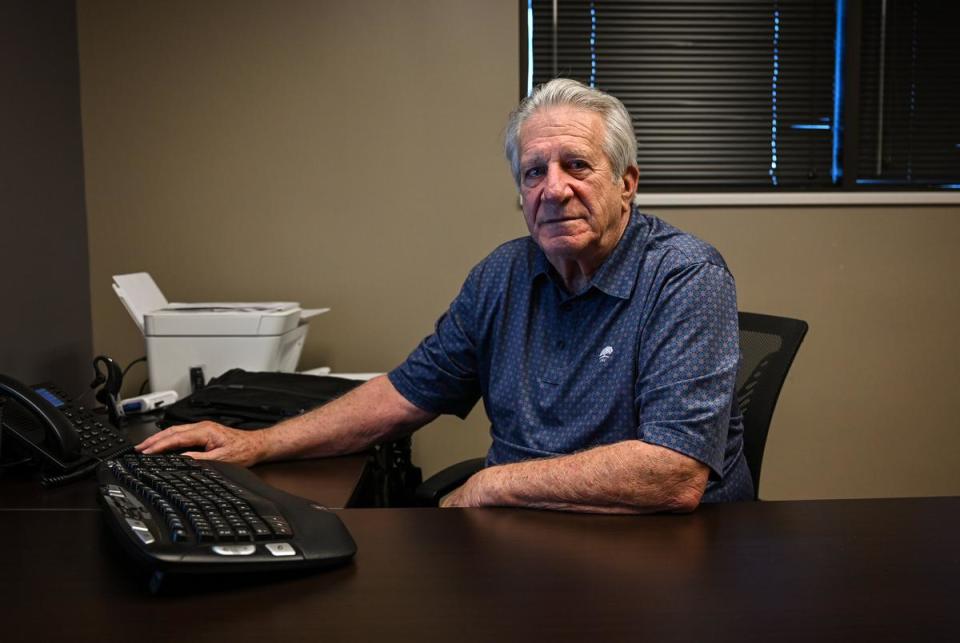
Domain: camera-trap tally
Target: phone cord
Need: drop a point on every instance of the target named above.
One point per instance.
(55, 481)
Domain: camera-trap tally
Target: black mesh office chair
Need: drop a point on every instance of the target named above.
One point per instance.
(768, 345)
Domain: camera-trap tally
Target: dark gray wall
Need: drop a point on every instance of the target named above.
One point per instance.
(45, 328)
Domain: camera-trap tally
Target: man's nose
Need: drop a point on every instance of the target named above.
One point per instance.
(556, 187)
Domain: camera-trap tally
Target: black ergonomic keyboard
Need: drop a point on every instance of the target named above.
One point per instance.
(182, 515)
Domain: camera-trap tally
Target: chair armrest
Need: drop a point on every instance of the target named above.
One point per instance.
(431, 490)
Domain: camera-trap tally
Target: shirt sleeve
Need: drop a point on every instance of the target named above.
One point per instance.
(688, 359)
(440, 375)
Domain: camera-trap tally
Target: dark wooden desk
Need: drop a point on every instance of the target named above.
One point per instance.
(877, 570)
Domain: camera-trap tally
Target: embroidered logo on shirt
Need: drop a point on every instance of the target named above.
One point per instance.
(606, 354)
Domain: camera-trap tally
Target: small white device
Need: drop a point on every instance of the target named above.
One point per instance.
(148, 402)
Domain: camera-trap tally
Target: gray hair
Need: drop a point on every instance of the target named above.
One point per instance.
(619, 141)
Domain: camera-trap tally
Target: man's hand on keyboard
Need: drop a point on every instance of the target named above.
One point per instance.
(216, 442)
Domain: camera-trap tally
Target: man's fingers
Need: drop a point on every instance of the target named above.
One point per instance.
(155, 437)
(204, 455)
(165, 434)
(149, 441)
(225, 453)
(452, 499)
(174, 440)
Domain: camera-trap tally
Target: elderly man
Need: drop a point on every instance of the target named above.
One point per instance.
(604, 345)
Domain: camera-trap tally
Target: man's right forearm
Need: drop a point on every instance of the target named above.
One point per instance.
(371, 413)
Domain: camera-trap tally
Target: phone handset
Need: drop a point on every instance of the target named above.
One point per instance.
(36, 421)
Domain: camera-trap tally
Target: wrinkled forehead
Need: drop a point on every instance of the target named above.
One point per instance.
(562, 125)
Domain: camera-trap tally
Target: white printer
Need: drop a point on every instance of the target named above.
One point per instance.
(212, 336)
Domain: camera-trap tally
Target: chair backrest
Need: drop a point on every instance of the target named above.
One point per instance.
(768, 345)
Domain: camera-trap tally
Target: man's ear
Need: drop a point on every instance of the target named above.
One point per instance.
(630, 179)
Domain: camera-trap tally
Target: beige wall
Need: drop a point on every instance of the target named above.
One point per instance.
(348, 155)
(867, 408)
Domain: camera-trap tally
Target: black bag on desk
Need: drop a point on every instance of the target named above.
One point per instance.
(245, 400)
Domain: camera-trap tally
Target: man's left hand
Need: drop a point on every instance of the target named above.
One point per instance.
(469, 494)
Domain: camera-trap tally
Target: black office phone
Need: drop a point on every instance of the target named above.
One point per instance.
(61, 436)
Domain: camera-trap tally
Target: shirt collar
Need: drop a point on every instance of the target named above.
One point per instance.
(618, 274)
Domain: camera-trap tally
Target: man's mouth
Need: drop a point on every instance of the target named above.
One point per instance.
(559, 220)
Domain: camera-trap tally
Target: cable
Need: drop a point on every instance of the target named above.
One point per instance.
(11, 463)
(55, 481)
(131, 364)
(16, 463)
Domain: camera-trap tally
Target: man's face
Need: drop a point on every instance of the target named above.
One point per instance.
(574, 207)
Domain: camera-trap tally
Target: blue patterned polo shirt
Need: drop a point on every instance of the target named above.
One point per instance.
(647, 351)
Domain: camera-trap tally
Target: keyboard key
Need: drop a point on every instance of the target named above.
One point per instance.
(261, 533)
(206, 536)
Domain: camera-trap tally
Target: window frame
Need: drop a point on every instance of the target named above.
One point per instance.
(848, 193)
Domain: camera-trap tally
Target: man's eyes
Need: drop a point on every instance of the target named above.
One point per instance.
(573, 165)
(533, 172)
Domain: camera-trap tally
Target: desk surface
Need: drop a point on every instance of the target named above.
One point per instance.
(878, 570)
